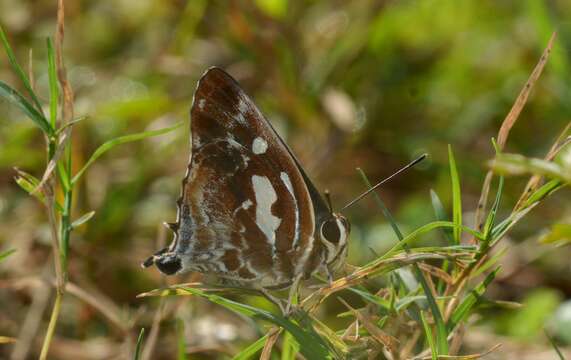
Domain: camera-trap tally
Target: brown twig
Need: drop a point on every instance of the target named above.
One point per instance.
(509, 122)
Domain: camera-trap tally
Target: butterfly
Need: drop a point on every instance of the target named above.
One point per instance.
(248, 212)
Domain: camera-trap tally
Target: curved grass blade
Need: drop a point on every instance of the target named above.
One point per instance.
(311, 345)
(5, 254)
(54, 90)
(137, 354)
(14, 97)
(108, 145)
(252, 349)
(19, 71)
(462, 311)
(554, 345)
(429, 337)
(456, 197)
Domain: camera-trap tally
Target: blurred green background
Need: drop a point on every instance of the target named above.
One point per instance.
(369, 84)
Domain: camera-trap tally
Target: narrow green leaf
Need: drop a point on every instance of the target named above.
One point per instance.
(252, 349)
(382, 206)
(384, 305)
(181, 343)
(442, 334)
(5, 254)
(53, 81)
(516, 164)
(108, 145)
(544, 191)
(19, 72)
(490, 220)
(14, 97)
(311, 345)
(288, 347)
(83, 219)
(463, 310)
(554, 345)
(456, 196)
(429, 337)
(137, 354)
(440, 214)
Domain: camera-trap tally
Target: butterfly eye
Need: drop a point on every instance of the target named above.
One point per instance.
(330, 231)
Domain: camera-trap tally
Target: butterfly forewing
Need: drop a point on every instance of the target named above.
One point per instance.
(245, 212)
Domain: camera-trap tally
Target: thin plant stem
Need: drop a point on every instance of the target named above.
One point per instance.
(51, 326)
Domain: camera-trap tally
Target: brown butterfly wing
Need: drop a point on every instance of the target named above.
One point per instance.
(246, 212)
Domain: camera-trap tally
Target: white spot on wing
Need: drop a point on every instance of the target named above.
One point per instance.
(259, 146)
(201, 104)
(287, 182)
(247, 204)
(265, 197)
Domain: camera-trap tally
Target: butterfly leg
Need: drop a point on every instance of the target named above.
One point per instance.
(279, 302)
(293, 292)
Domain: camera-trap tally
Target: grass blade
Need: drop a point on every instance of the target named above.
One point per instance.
(108, 145)
(382, 206)
(137, 354)
(515, 164)
(180, 343)
(462, 311)
(19, 71)
(442, 333)
(83, 219)
(5, 254)
(490, 220)
(252, 349)
(52, 76)
(440, 214)
(14, 97)
(429, 337)
(456, 197)
(555, 347)
(311, 345)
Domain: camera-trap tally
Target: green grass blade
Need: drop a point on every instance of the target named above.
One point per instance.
(490, 220)
(441, 215)
(456, 196)
(544, 191)
(555, 347)
(108, 145)
(5, 254)
(516, 164)
(429, 337)
(384, 305)
(18, 70)
(252, 349)
(288, 347)
(311, 345)
(53, 81)
(382, 206)
(463, 310)
(14, 97)
(137, 354)
(180, 343)
(442, 333)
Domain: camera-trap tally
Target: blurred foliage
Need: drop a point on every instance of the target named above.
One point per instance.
(369, 84)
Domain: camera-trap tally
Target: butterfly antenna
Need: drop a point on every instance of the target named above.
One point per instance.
(404, 168)
(328, 199)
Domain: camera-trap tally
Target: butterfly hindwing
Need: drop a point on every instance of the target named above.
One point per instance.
(246, 210)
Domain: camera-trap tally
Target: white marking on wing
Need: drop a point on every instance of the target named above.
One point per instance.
(285, 178)
(259, 146)
(247, 204)
(201, 104)
(265, 197)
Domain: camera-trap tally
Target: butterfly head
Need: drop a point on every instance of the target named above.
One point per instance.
(168, 263)
(333, 233)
